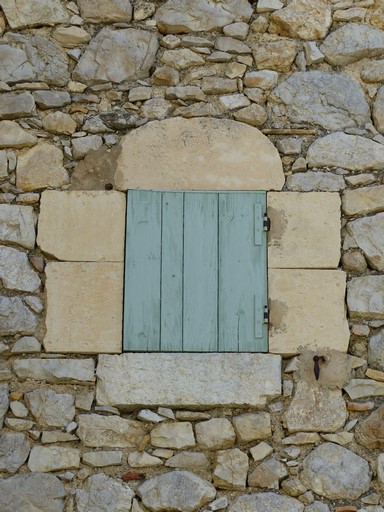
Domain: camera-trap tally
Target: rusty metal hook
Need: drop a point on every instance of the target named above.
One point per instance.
(316, 367)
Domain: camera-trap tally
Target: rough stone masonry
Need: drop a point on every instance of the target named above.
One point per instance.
(80, 80)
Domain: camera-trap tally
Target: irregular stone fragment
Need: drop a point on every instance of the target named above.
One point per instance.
(189, 460)
(265, 80)
(335, 472)
(378, 111)
(268, 474)
(266, 502)
(53, 436)
(17, 105)
(276, 55)
(98, 11)
(101, 493)
(14, 451)
(173, 435)
(363, 200)
(165, 75)
(32, 491)
(347, 151)
(365, 297)
(353, 14)
(59, 123)
(181, 59)
(41, 167)
(254, 115)
(149, 416)
(50, 408)
(117, 55)
(216, 433)
(197, 110)
(325, 99)
(188, 92)
(315, 181)
(16, 317)
(341, 438)
(302, 438)
(12, 135)
(37, 58)
(218, 85)
(180, 491)
(70, 37)
(260, 451)
(370, 431)
(360, 388)
(369, 235)
(376, 350)
(234, 101)
(143, 459)
(237, 30)
(353, 42)
(4, 402)
(83, 145)
(303, 19)
(231, 469)
(45, 459)
(201, 15)
(102, 458)
(51, 99)
(312, 53)
(110, 431)
(373, 71)
(252, 426)
(143, 10)
(72, 371)
(230, 45)
(16, 273)
(118, 119)
(19, 13)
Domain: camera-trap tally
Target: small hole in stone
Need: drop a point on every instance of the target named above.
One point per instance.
(108, 186)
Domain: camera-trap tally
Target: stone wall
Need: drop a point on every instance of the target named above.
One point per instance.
(79, 81)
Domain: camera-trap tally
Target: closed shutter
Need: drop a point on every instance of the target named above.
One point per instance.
(195, 272)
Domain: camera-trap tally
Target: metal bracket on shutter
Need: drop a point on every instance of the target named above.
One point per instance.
(266, 314)
(266, 223)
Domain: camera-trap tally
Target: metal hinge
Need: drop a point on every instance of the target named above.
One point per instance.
(266, 223)
(266, 314)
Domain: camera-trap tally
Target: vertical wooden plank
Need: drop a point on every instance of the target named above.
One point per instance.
(200, 272)
(172, 272)
(142, 271)
(243, 273)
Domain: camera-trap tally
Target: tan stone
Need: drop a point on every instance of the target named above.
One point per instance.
(375, 375)
(305, 230)
(307, 310)
(363, 200)
(59, 123)
(70, 37)
(84, 307)
(276, 55)
(198, 154)
(82, 225)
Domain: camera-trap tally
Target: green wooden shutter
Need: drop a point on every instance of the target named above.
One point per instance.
(195, 272)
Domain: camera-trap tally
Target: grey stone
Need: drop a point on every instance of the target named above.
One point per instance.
(20, 15)
(189, 460)
(14, 451)
(218, 85)
(82, 145)
(50, 408)
(265, 502)
(254, 115)
(117, 55)
(378, 110)
(268, 474)
(36, 58)
(118, 119)
(312, 53)
(370, 431)
(181, 59)
(252, 426)
(99, 11)
(18, 424)
(143, 10)
(44, 459)
(219, 503)
(289, 145)
(3, 165)
(16, 317)
(376, 350)
(234, 101)
(102, 458)
(71, 37)
(188, 92)
(35, 303)
(329, 100)
(180, 491)
(32, 492)
(12, 135)
(353, 42)
(143, 459)
(16, 272)
(275, 55)
(94, 124)
(201, 15)
(26, 345)
(4, 402)
(302, 438)
(363, 200)
(214, 434)
(140, 93)
(347, 151)
(173, 435)
(369, 235)
(202, 379)
(230, 45)
(53, 436)
(237, 30)
(110, 431)
(317, 506)
(197, 110)
(59, 123)
(157, 108)
(361, 388)
(335, 472)
(268, 5)
(315, 181)
(101, 493)
(304, 19)
(231, 469)
(17, 225)
(149, 416)
(51, 99)
(341, 438)
(360, 179)
(190, 415)
(72, 371)
(373, 71)
(260, 451)
(365, 297)
(14, 105)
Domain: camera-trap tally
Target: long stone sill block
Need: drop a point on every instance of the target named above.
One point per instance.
(190, 380)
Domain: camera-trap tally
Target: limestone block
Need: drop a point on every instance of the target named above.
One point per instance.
(17, 225)
(82, 225)
(84, 307)
(265, 502)
(201, 380)
(214, 434)
(54, 458)
(305, 230)
(72, 371)
(365, 297)
(109, 431)
(173, 435)
(252, 426)
(47, 12)
(99, 11)
(105, 493)
(231, 469)
(198, 154)
(307, 310)
(12, 135)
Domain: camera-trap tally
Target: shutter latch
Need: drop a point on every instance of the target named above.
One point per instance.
(266, 223)
(266, 314)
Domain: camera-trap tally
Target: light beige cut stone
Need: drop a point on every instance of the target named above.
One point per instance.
(260, 451)
(103, 458)
(231, 469)
(142, 460)
(305, 230)
(21, 13)
(82, 225)
(173, 435)
(109, 431)
(276, 55)
(215, 434)
(375, 375)
(44, 459)
(68, 371)
(341, 438)
(70, 37)
(363, 200)
(361, 388)
(84, 307)
(307, 310)
(13, 136)
(201, 380)
(41, 167)
(100, 11)
(59, 123)
(365, 297)
(198, 154)
(252, 426)
(302, 438)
